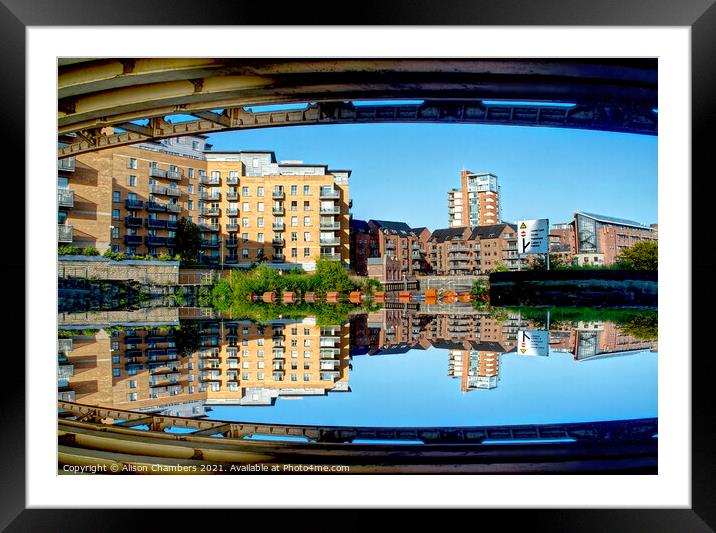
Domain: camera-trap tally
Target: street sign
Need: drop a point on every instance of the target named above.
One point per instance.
(533, 342)
(533, 236)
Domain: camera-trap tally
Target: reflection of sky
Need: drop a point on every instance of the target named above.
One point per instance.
(413, 389)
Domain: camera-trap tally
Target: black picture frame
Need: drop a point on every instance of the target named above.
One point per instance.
(699, 15)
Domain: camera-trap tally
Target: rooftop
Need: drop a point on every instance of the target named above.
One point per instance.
(401, 228)
(613, 220)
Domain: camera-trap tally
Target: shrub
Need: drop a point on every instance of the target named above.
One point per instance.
(69, 250)
(643, 255)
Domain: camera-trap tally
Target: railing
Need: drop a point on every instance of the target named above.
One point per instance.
(278, 195)
(154, 223)
(232, 243)
(68, 164)
(132, 240)
(278, 242)
(65, 198)
(205, 195)
(330, 242)
(155, 241)
(155, 206)
(232, 180)
(174, 208)
(133, 204)
(208, 180)
(232, 212)
(174, 174)
(278, 227)
(232, 195)
(330, 211)
(278, 258)
(157, 172)
(232, 227)
(331, 194)
(166, 191)
(331, 257)
(206, 243)
(64, 233)
(231, 259)
(278, 211)
(209, 227)
(209, 212)
(330, 226)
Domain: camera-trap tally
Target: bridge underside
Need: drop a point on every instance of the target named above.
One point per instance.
(610, 95)
(99, 436)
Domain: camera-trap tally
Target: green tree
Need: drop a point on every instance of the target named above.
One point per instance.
(643, 255)
(188, 241)
(540, 263)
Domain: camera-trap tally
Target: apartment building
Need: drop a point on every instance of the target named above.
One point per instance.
(476, 202)
(363, 245)
(249, 207)
(397, 241)
(471, 251)
(238, 363)
(476, 364)
(600, 239)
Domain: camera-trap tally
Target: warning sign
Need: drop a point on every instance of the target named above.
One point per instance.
(533, 236)
(533, 342)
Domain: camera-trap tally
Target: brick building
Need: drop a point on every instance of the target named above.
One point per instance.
(600, 239)
(476, 202)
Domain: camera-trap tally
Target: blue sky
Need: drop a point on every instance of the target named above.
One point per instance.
(403, 171)
(414, 389)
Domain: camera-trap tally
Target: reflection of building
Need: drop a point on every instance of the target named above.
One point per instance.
(477, 364)
(248, 206)
(237, 363)
(590, 340)
(476, 203)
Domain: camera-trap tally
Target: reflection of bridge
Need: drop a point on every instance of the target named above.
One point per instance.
(90, 435)
(604, 94)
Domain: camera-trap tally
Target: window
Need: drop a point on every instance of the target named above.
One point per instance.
(260, 364)
(306, 377)
(132, 181)
(244, 237)
(294, 252)
(195, 145)
(245, 222)
(294, 236)
(294, 190)
(306, 190)
(306, 252)
(245, 206)
(294, 331)
(306, 221)
(132, 383)
(307, 355)
(259, 191)
(116, 196)
(115, 232)
(132, 163)
(115, 359)
(306, 206)
(132, 396)
(293, 377)
(294, 206)
(191, 188)
(260, 206)
(260, 222)
(260, 238)
(190, 206)
(116, 372)
(245, 375)
(215, 174)
(306, 342)
(294, 221)
(255, 162)
(260, 376)
(190, 172)
(245, 253)
(115, 214)
(306, 236)
(245, 191)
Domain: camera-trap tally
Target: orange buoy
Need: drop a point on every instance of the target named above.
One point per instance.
(269, 297)
(404, 296)
(431, 293)
(431, 300)
(309, 297)
(379, 296)
(289, 297)
(332, 297)
(355, 297)
(450, 299)
(251, 297)
(464, 297)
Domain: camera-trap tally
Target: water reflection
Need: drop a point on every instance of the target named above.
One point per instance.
(399, 366)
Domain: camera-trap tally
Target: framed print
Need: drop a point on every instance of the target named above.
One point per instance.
(294, 288)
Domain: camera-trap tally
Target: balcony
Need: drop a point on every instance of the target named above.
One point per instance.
(174, 208)
(171, 241)
(232, 180)
(133, 222)
(209, 212)
(65, 198)
(331, 257)
(231, 259)
(330, 226)
(64, 345)
(207, 195)
(278, 211)
(209, 243)
(278, 195)
(155, 241)
(132, 240)
(209, 227)
(232, 243)
(232, 195)
(156, 207)
(278, 258)
(232, 228)
(64, 233)
(133, 204)
(390, 246)
(232, 212)
(278, 242)
(133, 339)
(175, 174)
(68, 164)
(153, 223)
(330, 242)
(172, 224)
(329, 194)
(206, 180)
(278, 227)
(330, 211)
(157, 172)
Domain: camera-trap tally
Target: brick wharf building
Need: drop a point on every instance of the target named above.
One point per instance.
(239, 362)
(248, 205)
(476, 203)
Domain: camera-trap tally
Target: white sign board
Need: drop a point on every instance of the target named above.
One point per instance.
(533, 236)
(533, 342)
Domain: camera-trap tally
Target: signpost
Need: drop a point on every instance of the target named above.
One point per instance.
(533, 238)
(533, 342)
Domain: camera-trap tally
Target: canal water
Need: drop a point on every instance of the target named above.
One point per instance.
(390, 367)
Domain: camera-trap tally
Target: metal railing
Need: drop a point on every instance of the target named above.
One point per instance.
(64, 233)
(65, 198)
(329, 194)
(68, 164)
(208, 180)
(330, 211)
(206, 195)
(157, 172)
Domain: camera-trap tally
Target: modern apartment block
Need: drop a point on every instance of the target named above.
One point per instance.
(249, 207)
(476, 202)
(473, 251)
(600, 239)
(238, 363)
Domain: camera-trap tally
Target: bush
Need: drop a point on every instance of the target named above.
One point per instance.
(69, 250)
(643, 255)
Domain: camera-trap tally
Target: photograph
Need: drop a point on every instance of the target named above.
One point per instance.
(357, 265)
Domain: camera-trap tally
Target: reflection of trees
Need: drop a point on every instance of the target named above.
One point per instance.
(644, 328)
(187, 338)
